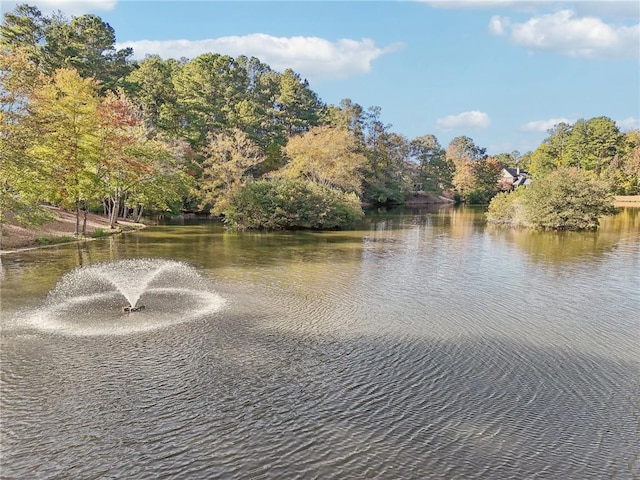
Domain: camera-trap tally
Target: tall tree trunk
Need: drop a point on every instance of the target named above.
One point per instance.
(139, 214)
(84, 218)
(113, 218)
(77, 217)
(125, 208)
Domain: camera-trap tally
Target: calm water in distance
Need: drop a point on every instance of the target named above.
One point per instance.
(424, 345)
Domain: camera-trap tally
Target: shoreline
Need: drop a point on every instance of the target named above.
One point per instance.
(59, 231)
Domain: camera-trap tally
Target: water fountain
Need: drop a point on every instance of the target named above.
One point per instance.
(89, 300)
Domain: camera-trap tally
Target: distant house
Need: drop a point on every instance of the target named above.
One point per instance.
(512, 178)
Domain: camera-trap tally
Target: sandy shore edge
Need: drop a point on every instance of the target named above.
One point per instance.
(15, 238)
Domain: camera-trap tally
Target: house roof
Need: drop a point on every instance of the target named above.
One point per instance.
(515, 173)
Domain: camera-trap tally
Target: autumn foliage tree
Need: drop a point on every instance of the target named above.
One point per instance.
(476, 175)
(65, 116)
(21, 181)
(231, 160)
(327, 156)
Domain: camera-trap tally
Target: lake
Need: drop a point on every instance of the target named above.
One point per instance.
(423, 345)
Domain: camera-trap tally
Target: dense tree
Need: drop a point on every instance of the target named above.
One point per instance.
(65, 112)
(552, 151)
(592, 144)
(348, 115)
(297, 106)
(21, 180)
(623, 172)
(71, 136)
(589, 145)
(566, 199)
(256, 115)
(231, 159)
(388, 176)
(476, 175)
(328, 156)
(118, 168)
(486, 177)
(464, 149)
(24, 30)
(208, 89)
(279, 204)
(164, 183)
(86, 44)
(151, 88)
(435, 171)
(542, 161)
(134, 172)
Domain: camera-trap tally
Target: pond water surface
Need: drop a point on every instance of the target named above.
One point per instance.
(424, 345)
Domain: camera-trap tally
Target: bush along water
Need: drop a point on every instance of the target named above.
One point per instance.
(282, 204)
(565, 199)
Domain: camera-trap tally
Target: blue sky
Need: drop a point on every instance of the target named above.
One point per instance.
(500, 72)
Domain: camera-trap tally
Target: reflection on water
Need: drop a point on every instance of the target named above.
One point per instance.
(424, 345)
(619, 231)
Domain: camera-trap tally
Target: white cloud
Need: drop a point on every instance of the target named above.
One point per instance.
(543, 125)
(312, 57)
(629, 123)
(498, 25)
(473, 119)
(562, 31)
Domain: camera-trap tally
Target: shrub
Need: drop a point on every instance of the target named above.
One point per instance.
(566, 199)
(506, 209)
(281, 204)
(98, 233)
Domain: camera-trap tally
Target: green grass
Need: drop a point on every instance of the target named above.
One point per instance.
(47, 240)
(99, 233)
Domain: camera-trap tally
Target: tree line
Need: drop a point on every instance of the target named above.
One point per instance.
(86, 128)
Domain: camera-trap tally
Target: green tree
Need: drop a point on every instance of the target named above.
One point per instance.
(602, 142)
(347, 115)
(257, 113)
(66, 114)
(231, 159)
(283, 204)
(566, 199)
(464, 149)
(165, 182)
(435, 170)
(623, 172)
(24, 30)
(208, 90)
(151, 88)
(86, 44)
(590, 145)
(388, 177)
(136, 173)
(486, 173)
(297, 107)
(21, 180)
(542, 161)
